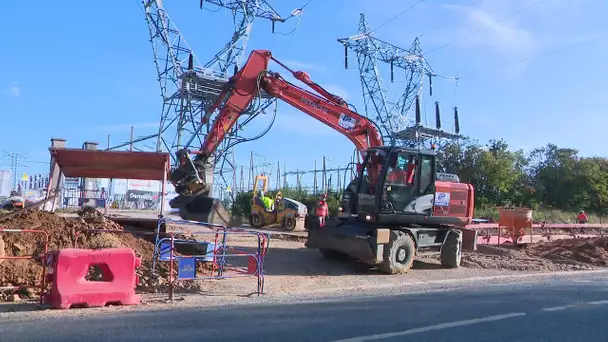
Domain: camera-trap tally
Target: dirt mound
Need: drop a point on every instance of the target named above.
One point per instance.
(68, 232)
(558, 255)
(591, 251)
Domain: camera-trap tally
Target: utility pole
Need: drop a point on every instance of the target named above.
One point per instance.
(15, 159)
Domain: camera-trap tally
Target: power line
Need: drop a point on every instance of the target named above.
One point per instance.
(489, 25)
(397, 16)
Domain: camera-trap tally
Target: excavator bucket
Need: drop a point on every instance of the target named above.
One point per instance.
(201, 209)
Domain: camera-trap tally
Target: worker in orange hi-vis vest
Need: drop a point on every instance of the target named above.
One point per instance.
(582, 219)
(322, 210)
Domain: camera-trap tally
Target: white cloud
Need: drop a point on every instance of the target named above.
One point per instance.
(303, 66)
(301, 124)
(484, 28)
(14, 90)
(336, 90)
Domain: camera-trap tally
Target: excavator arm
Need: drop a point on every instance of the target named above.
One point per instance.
(241, 91)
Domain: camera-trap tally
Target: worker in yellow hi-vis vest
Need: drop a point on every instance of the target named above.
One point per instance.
(268, 202)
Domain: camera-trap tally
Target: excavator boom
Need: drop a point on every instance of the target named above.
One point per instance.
(242, 89)
(330, 109)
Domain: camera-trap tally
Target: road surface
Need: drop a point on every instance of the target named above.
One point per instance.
(551, 309)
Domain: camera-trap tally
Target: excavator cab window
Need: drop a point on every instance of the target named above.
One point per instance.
(427, 170)
(372, 168)
(399, 187)
(369, 179)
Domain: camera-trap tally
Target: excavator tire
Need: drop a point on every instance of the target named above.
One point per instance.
(399, 253)
(201, 209)
(451, 250)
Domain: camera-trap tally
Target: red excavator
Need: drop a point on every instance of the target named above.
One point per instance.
(401, 208)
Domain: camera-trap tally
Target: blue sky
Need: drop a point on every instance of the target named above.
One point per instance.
(80, 72)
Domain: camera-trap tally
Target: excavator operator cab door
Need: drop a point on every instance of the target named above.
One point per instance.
(405, 183)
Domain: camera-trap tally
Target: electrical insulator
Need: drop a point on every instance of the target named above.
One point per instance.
(437, 116)
(345, 57)
(456, 121)
(418, 117)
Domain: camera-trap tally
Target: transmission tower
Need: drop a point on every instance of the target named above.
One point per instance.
(15, 165)
(398, 126)
(189, 88)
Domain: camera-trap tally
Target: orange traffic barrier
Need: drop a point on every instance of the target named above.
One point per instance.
(68, 268)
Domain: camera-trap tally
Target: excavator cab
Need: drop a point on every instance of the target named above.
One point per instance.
(399, 186)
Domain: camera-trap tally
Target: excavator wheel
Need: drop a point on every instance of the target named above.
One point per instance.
(399, 253)
(451, 250)
(256, 220)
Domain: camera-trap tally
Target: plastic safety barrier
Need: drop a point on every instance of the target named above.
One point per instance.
(67, 269)
(212, 246)
(40, 257)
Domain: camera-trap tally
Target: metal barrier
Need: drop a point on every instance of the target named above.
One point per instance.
(492, 233)
(216, 251)
(42, 257)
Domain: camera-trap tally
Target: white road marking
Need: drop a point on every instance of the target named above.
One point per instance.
(556, 308)
(433, 327)
(576, 305)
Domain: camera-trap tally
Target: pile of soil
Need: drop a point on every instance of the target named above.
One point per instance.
(590, 251)
(557, 255)
(68, 232)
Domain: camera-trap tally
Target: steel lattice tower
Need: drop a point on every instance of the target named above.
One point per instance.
(188, 87)
(394, 117)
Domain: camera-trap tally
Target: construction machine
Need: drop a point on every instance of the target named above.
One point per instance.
(397, 205)
(286, 212)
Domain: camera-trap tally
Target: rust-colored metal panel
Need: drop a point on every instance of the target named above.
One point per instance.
(112, 164)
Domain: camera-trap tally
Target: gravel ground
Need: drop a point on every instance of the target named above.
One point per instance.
(292, 271)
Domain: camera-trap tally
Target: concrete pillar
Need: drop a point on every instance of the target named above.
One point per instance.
(90, 183)
(55, 177)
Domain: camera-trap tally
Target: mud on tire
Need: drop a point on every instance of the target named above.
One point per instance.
(399, 253)
(451, 250)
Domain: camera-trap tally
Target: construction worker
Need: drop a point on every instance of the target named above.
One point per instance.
(268, 202)
(322, 210)
(397, 174)
(582, 219)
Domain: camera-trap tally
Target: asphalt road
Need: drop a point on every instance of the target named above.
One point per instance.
(547, 310)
